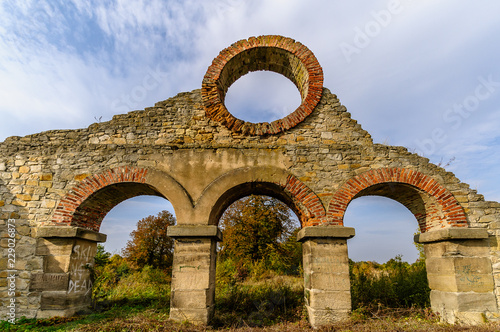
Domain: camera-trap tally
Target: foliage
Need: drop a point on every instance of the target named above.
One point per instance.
(150, 245)
(259, 235)
(106, 277)
(259, 286)
(262, 304)
(102, 257)
(395, 284)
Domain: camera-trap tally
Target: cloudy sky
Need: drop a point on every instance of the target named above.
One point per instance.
(420, 74)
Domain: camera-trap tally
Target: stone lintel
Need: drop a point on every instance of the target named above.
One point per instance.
(70, 231)
(447, 234)
(194, 231)
(325, 231)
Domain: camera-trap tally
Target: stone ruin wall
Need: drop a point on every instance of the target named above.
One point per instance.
(36, 171)
(176, 137)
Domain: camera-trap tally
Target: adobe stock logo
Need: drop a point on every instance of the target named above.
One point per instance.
(150, 81)
(456, 115)
(364, 36)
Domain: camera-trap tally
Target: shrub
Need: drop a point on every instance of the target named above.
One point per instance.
(395, 284)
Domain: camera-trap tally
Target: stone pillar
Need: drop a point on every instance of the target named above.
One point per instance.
(460, 274)
(65, 286)
(193, 272)
(327, 287)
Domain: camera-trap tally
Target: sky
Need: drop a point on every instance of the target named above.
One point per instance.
(420, 74)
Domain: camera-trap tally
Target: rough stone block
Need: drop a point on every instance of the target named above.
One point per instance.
(190, 231)
(470, 318)
(307, 233)
(463, 302)
(322, 247)
(195, 316)
(319, 318)
(193, 258)
(474, 248)
(61, 300)
(191, 245)
(49, 282)
(327, 281)
(56, 264)
(188, 279)
(44, 314)
(337, 300)
(195, 299)
(54, 246)
(325, 264)
(69, 232)
(462, 266)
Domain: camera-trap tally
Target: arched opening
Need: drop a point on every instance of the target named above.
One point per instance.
(94, 209)
(116, 279)
(254, 188)
(122, 219)
(386, 268)
(259, 262)
(134, 264)
(384, 229)
(69, 245)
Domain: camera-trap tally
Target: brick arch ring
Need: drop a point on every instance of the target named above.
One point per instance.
(452, 210)
(309, 206)
(146, 181)
(272, 53)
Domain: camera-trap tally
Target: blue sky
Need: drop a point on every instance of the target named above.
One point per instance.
(419, 74)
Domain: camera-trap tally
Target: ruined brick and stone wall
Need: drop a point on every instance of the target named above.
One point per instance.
(58, 186)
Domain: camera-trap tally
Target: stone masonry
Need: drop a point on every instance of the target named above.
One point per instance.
(57, 186)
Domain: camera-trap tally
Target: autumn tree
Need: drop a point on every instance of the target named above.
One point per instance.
(260, 229)
(149, 244)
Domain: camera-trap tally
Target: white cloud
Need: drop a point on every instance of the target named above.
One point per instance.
(64, 63)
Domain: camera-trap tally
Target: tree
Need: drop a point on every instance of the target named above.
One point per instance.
(149, 244)
(260, 229)
(102, 256)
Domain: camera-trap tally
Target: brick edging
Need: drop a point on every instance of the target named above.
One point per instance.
(64, 212)
(452, 210)
(284, 56)
(303, 195)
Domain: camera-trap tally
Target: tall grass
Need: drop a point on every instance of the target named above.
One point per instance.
(395, 284)
(117, 283)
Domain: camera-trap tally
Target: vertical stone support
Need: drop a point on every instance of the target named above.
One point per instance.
(65, 286)
(327, 288)
(460, 276)
(193, 272)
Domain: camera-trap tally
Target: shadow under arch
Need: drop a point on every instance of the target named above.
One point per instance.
(270, 181)
(89, 201)
(431, 203)
(251, 188)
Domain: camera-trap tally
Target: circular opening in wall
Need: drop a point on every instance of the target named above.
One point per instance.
(275, 54)
(262, 96)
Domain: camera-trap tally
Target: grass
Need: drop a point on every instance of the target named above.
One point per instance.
(272, 304)
(126, 318)
(140, 300)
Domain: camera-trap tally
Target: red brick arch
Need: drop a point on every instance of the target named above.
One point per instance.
(273, 53)
(72, 209)
(261, 180)
(451, 209)
(303, 195)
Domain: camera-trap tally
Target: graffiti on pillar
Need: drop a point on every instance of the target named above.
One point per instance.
(467, 274)
(81, 259)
